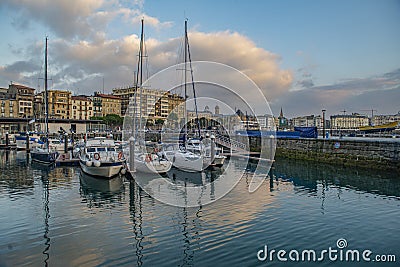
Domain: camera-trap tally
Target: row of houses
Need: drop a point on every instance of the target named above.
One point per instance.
(20, 101)
(337, 122)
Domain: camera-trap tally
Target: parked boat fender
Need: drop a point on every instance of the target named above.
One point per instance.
(89, 163)
(123, 171)
(96, 163)
(120, 155)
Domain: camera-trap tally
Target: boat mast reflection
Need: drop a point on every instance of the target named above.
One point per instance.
(135, 210)
(46, 191)
(190, 233)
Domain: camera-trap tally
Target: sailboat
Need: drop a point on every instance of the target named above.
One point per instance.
(43, 154)
(183, 158)
(145, 160)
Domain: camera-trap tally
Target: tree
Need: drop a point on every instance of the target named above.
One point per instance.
(149, 123)
(113, 120)
(159, 122)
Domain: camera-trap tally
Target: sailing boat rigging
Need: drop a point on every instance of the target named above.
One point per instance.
(44, 155)
(183, 158)
(144, 161)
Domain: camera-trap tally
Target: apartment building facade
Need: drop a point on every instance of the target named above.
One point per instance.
(351, 121)
(104, 104)
(24, 99)
(81, 108)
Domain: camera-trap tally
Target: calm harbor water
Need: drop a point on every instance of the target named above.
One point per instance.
(60, 217)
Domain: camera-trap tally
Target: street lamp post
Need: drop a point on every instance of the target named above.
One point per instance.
(323, 123)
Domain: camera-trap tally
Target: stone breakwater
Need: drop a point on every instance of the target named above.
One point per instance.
(368, 153)
(360, 153)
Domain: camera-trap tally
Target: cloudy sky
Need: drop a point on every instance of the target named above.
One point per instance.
(304, 55)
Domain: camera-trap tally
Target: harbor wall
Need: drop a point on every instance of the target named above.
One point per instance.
(375, 154)
(361, 153)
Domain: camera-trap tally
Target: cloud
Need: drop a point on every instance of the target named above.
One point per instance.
(380, 92)
(77, 19)
(238, 51)
(83, 52)
(67, 18)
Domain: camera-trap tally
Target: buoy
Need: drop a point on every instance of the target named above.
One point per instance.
(89, 163)
(123, 171)
(96, 163)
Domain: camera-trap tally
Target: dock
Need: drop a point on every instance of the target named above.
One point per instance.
(66, 159)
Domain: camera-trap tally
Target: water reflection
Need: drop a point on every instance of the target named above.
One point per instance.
(135, 210)
(190, 233)
(99, 193)
(44, 212)
(311, 176)
(46, 236)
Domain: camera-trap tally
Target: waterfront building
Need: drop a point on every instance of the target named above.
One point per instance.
(125, 94)
(282, 122)
(8, 108)
(216, 110)
(351, 121)
(384, 119)
(81, 108)
(176, 105)
(308, 121)
(24, 99)
(153, 103)
(161, 106)
(97, 105)
(266, 122)
(59, 104)
(109, 104)
(204, 115)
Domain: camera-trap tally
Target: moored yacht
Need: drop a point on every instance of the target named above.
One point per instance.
(100, 158)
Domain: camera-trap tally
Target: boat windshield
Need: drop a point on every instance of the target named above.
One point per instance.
(110, 149)
(91, 150)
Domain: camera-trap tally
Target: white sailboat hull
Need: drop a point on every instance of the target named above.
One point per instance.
(153, 166)
(103, 170)
(187, 161)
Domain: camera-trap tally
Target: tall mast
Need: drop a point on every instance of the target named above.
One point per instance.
(141, 71)
(185, 70)
(194, 90)
(140, 74)
(46, 102)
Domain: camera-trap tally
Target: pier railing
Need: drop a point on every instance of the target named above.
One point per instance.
(230, 143)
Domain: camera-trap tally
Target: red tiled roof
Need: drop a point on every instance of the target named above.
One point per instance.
(74, 97)
(108, 96)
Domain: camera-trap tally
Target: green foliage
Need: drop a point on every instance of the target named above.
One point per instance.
(112, 120)
(159, 121)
